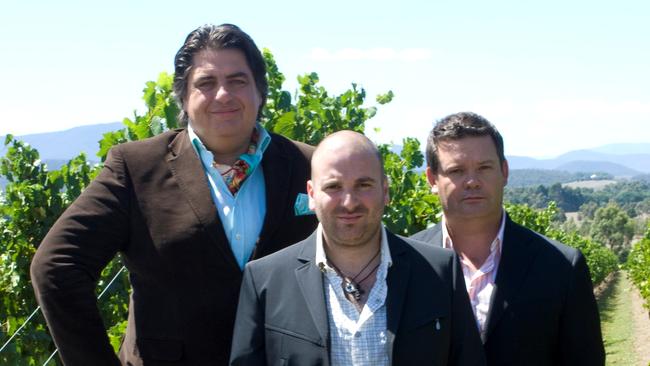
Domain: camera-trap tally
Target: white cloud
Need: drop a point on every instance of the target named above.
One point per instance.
(371, 54)
(381, 54)
(415, 54)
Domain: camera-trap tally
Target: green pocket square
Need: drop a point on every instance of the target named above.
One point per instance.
(301, 207)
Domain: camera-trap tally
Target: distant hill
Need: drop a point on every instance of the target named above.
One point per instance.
(635, 161)
(65, 145)
(619, 164)
(524, 162)
(547, 177)
(57, 148)
(617, 160)
(642, 177)
(614, 169)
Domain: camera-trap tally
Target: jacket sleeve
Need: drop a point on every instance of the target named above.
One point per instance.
(69, 261)
(581, 341)
(248, 346)
(466, 346)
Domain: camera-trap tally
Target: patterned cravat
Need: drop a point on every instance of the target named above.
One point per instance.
(235, 175)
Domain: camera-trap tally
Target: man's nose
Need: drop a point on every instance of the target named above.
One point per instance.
(349, 200)
(472, 181)
(222, 94)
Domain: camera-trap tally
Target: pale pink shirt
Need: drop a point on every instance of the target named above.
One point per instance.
(480, 283)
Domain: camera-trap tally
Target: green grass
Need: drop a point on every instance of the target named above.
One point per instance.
(617, 321)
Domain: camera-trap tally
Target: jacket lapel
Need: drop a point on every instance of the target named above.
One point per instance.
(310, 281)
(188, 172)
(277, 177)
(397, 279)
(516, 256)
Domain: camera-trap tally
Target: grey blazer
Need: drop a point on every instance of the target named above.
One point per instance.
(282, 316)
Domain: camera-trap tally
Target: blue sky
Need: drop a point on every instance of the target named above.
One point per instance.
(553, 76)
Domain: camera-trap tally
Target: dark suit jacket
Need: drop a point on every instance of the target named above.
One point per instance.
(282, 316)
(543, 310)
(151, 202)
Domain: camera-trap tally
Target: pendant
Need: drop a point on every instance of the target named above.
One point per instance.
(351, 289)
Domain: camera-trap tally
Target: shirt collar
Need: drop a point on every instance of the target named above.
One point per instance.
(321, 259)
(448, 243)
(207, 157)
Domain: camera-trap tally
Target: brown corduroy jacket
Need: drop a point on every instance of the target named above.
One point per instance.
(152, 203)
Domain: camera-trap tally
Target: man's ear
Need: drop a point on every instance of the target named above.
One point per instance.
(310, 193)
(431, 178)
(386, 189)
(505, 170)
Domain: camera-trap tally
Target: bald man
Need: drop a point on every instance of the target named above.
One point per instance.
(353, 293)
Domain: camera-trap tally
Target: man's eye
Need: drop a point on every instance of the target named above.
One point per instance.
(238, 82)
(205, 84)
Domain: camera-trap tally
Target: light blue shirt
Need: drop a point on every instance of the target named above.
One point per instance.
(242, 215)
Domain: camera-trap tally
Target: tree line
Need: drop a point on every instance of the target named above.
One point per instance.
(546, 177)
(633, 196)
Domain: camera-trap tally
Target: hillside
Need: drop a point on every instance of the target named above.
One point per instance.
(591, 184)
(617, 170)
(613, 160)
(639, 162)
(624, 160)
(57, 148)
(66, 144)
(548, 177)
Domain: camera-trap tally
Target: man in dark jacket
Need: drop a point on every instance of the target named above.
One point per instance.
(186, 210)
(531, 296)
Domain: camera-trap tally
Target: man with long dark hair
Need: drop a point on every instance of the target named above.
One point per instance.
(186, 210)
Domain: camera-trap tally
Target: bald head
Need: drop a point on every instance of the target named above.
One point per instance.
(347, 143)
(348, 190)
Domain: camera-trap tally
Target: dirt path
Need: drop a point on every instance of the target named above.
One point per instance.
(641, 318)
(625, 323)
